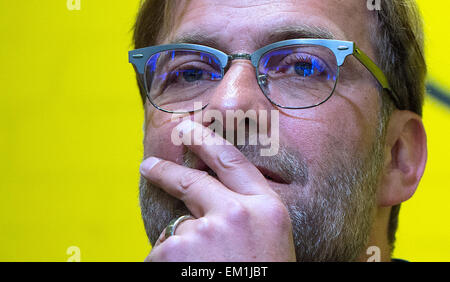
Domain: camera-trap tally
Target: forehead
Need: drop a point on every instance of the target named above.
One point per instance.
(243, 26)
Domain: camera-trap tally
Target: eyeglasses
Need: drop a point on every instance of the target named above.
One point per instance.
(292, 74)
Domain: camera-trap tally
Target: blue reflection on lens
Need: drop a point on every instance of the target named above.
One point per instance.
(192, 75)
(152, 62)
(282, 52)
(216, 61)
(163, 76)
(304, 69)
(307, 69)
(215, 76)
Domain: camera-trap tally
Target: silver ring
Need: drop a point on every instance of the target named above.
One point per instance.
(170, 229)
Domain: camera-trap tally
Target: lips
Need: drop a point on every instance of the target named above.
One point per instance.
(271, 175)
(268, 174)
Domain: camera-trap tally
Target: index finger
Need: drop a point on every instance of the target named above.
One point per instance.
(231, 166)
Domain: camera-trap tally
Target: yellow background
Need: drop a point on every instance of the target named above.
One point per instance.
(71, 131)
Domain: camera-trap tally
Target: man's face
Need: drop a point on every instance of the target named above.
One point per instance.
(329, 155)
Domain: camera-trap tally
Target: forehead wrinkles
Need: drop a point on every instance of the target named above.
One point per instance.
(237, 22)
(230, 8)
(212, 19)
(243, 28)
(240, 24)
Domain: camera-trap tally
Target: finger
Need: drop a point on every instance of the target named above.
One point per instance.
(199, 191)
(181, 228)
(161, 238)
(158, 242)
(231, 166)
(175, 248)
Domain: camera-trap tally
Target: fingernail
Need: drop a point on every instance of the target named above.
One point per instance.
(148, 164)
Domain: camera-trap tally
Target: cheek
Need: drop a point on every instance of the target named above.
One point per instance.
(326, 131)
(157, 140)
(317, 141)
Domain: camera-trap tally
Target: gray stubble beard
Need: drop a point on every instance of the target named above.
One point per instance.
(331, 211)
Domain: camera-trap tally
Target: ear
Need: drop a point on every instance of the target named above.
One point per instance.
(405, 158)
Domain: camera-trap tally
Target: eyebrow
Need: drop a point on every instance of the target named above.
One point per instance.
(296, 31)
(197, 38)
(262, 38)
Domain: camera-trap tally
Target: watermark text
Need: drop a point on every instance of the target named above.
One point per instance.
(374, 5)
(73, 5)
(252, 129)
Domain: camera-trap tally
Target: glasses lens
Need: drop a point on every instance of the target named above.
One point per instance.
(298, 76)
(181, 80)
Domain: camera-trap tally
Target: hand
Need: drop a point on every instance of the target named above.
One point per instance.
(237, 218)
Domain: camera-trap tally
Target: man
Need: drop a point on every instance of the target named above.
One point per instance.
(351, 145)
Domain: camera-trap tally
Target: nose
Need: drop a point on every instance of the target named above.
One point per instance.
(240, 102)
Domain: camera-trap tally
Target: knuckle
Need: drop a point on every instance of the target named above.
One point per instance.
(191, 177)
(197, 186)
(206, 227)
(161, 170)
(231, 158)
(237, 213)
(278, 214)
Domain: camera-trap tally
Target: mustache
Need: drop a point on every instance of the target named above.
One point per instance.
(287, 164)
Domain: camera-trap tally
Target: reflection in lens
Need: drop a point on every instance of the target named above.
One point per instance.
(299, 75)
(178, 79)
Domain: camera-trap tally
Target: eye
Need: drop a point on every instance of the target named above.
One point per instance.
(186, 75)
(304, 65)
(191, 75)
(304, 69)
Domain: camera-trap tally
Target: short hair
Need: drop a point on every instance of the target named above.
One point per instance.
(397, 38)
